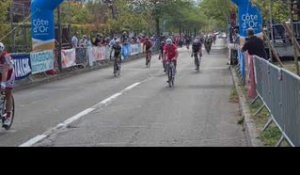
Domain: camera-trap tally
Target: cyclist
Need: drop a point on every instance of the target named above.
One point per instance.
(161, 54)
(208, 43)
(197, 49)
(117, 56)
(147, 47)
(7, 80)
(171, 53)
(188, 42)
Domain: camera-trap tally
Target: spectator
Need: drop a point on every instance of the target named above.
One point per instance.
(98, 40)
(84, 41)
(124, 37)
(112, 42)
(254, 45)
(74, 40)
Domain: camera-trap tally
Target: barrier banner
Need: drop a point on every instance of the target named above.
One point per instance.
(134, 49)
(81, 56)
(21, 65)
(68, 58)
(91, 58)
(251, 77)
(125, 51)
(107, 52)
(97, 53)
(42, 61)
(242, 62)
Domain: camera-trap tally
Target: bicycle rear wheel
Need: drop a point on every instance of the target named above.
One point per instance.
(197, 64)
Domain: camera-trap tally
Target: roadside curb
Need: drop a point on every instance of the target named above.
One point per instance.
(249, 125)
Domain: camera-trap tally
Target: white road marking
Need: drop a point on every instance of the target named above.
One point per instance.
(33, 141)
(131, 87)
(76, 117)
(110, 99)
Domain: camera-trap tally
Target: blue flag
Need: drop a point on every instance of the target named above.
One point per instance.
(43, 24)
(249, 17)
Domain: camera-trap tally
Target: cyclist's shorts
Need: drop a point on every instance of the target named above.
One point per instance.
(10, 81)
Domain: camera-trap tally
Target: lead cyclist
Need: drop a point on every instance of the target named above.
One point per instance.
(7, 81)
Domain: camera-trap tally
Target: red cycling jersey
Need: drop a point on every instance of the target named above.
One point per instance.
(5, 58)
(170, 52)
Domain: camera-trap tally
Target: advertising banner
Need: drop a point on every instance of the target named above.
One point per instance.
(125, 51)
(42, 61)
(68, 58)
(42, 19)
(21, 65)
(249, 16)
(134, 49)
(97, 53)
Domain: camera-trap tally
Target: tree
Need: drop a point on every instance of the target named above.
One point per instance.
(216, 13)
(4, 16)
(126, 18)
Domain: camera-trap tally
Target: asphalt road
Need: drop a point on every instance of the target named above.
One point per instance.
(136, 109)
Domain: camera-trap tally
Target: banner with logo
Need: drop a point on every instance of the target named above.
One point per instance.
(68, 58)
(125, 51)
(249, 17)
(134, 49)
(97, 53)
(42, 61)
(42, 19)
(21, 65)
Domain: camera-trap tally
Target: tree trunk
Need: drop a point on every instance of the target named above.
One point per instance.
(157, 26)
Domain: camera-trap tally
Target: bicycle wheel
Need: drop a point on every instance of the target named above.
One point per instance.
(170, 75)
(196, 62)
(115, 70)
(119, 70)
(7, 127)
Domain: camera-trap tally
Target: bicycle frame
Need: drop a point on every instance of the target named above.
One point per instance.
(197, 59)
(148, 57)
(117, 67)
(171, 73)
(2, 109)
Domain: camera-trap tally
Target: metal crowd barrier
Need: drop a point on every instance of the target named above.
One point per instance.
(241, 66)
(279, 90)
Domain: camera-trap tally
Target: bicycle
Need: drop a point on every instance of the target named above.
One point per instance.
(197, 61)
(148, 58)
(3, 110)
(117, 67)
(171, 73)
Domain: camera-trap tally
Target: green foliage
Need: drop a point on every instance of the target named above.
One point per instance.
(215, 13)
(127, 19)
(4, 7)
(279, 9)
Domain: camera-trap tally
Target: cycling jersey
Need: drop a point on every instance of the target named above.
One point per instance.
(5, 58)
(170, 51)
(117, 48)
(148, 45)
(196, 46)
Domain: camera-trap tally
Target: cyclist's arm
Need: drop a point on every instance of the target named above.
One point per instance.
(5, 68)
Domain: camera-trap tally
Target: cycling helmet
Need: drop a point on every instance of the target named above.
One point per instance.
(2, 47)
(196, 40)
(169, 41)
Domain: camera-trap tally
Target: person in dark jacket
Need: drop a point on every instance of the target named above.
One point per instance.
(254, 45)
